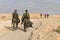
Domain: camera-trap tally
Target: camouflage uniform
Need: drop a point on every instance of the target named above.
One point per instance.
(15, 19)
(47, 15)
(25, 19)
(40, 15)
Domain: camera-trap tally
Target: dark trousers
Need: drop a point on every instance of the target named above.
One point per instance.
(15, 25)
(25, 27)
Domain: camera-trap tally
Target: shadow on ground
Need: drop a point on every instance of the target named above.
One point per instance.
(13, 29)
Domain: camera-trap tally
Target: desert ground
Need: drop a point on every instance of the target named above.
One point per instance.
(43, 28)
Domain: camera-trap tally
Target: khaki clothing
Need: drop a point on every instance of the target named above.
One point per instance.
(25, 16)
(15, 19)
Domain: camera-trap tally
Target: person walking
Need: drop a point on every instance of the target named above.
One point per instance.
(26, 20)
(15, 19)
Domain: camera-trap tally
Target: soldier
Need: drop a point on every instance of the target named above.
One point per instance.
(47, 15)
(40, 15)
(26, 20)
(15, 19)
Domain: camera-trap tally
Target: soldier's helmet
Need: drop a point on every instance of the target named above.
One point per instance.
(15, 10)
(26, 10)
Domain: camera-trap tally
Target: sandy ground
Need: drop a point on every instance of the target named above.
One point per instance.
(43, 28)
(19, 34)
(47, 30)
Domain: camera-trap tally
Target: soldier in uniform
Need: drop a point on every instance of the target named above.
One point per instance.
(47, 15)
(26, 20)
(40, 15)
(15, 19)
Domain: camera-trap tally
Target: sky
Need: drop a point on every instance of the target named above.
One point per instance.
(33, 6)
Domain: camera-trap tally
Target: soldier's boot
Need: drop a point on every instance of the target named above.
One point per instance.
(24, 29)
(13, 25)
(16, 25)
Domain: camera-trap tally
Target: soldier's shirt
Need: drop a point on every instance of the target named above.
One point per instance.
(26, 15)
(15, 16)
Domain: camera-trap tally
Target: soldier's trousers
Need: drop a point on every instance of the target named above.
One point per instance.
(15, 24)
(25, 28)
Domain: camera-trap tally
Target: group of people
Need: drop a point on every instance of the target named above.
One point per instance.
(25, 20)
(45, 15)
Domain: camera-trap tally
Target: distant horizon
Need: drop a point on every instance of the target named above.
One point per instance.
(32, 13)
(34, 6)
